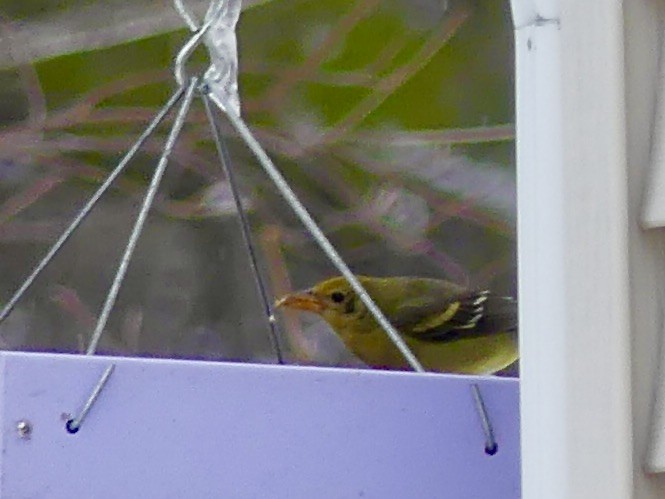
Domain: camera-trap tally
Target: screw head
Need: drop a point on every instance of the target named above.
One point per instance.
(24, 429)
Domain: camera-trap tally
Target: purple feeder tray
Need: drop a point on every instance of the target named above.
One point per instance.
(170, 429)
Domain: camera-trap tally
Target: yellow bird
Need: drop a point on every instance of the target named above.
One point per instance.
(447, 327)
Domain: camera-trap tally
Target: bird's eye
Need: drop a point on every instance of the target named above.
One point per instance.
(337, 297)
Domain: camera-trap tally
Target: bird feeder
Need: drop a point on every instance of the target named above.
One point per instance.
(97, 426)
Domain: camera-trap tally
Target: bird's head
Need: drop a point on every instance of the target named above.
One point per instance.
(333, 299)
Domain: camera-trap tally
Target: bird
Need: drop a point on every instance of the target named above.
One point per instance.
(449, 328)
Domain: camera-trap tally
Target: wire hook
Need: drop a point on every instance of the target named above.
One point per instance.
(192, 44)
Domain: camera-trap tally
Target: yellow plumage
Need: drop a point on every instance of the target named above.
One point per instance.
(448, 328)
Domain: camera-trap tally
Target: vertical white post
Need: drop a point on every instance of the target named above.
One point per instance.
(573, 250)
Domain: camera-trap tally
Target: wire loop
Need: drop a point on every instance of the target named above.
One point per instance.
(197, 38)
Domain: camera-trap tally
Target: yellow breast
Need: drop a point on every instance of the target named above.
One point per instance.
(475, 355)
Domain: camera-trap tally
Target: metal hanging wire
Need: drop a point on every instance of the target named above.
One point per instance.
(87, 208)
(143, 215)
(318, 235)
(225, 160)
(218, 88)
(227, 102)
(217, 17)
(231, 110)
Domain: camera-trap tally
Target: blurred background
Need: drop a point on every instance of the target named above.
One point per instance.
(392, 120)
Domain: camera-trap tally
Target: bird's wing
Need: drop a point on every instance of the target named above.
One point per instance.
(470, 313)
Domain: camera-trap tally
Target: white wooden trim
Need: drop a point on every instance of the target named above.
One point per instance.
(533, 12)
(573, 253)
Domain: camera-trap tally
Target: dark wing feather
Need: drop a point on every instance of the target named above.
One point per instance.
(473, 313)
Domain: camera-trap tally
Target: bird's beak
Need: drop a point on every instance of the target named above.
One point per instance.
(301, 300)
